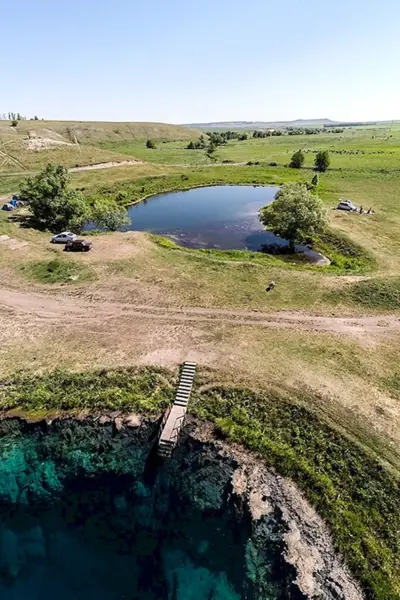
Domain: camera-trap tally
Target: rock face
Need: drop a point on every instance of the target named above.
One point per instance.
(87, 511)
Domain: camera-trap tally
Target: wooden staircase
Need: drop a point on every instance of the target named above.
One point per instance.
(174, 417)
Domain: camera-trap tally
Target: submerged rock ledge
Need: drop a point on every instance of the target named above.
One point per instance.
(212, 522)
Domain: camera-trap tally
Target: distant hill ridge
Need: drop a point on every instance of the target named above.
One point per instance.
(264, 124)
(87, 132)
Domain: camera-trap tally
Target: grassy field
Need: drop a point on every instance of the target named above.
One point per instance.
(325, 402)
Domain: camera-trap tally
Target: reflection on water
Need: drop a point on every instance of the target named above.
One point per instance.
(223, 217)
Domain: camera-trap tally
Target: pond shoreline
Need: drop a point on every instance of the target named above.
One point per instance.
(215, 217)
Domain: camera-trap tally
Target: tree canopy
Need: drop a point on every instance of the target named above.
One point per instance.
(53, 203)
(151, 145)
(322, 160)
(295, 215)
(108, 215)
(297, 160)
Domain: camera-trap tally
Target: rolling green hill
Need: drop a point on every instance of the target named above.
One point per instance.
(32, 144)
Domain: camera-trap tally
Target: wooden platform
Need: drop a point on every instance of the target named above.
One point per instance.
(175, 415)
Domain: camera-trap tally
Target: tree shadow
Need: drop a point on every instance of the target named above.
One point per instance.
(26, 222)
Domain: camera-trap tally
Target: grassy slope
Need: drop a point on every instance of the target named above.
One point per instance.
(350, 489)
(90, 132)
(16, 157)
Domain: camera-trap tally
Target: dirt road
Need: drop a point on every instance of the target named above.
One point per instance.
(107, 165)
(69, 310)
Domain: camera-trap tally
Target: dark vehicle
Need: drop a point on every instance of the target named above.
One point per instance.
(78, 246)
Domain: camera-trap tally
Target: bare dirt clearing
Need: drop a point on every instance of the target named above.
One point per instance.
(65, 308)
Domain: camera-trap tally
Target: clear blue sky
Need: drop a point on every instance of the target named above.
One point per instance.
(183, 61)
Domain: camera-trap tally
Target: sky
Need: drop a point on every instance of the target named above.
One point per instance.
(185, 61)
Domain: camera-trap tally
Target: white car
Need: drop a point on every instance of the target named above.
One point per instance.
(63, 238)
(346, 205)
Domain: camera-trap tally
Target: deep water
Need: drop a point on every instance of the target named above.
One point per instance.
(87, 512)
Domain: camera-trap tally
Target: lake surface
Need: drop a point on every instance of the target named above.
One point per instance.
(223, 217)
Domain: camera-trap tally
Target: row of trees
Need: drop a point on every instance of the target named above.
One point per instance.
(16, 116)
(321, 163)
(56, 206)
(268, 133)
(215, 139)
(294, 131)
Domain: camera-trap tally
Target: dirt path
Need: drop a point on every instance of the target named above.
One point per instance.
(107, 165)
(69, 310)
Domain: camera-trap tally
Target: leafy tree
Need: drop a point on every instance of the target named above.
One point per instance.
(322, 161)
(315, 180)
(150, 144)
(53, 203)
(191, 146)
(297, 160)
(14, 123)
(211, 148)
(107, 214)
(243, 137)
(295, 215)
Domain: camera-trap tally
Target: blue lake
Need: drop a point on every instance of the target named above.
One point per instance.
(223, 217)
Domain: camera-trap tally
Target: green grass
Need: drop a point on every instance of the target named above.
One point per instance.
(346, 257)
(143, 389)
(372, 293)
(344, 254)
(355, 494)
(165, 153)
(57, 270)
(392, 383)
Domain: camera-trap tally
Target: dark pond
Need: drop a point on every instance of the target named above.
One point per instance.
(223, 217)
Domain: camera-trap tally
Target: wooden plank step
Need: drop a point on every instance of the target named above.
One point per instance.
(184, 399)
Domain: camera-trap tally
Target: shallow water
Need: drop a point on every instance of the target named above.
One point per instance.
(223, 217)
(88, 513)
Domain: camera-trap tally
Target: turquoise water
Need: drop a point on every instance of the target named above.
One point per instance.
(88, 513)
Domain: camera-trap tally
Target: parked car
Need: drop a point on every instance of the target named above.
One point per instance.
(63, 238)
(346, 205)
(78, 246)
